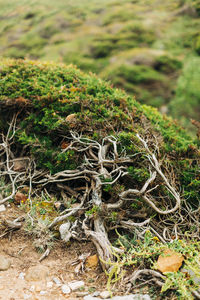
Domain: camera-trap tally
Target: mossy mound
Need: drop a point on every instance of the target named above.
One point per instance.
(110, 161)
(45, 94)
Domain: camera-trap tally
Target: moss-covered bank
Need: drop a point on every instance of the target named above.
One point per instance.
(111, 162)
(45, 94)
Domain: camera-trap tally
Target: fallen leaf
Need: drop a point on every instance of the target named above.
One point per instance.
(169, 261)
(64, 145)
(92, 261)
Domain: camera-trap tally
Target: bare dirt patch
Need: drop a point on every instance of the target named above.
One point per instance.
(18, 248)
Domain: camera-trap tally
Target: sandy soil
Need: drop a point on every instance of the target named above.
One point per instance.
(18, 248)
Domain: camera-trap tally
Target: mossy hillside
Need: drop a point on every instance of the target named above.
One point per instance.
(188, 92)
(45, 94)
(145, 73)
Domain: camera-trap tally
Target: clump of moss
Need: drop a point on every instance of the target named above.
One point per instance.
(121, 162)
(45, 94)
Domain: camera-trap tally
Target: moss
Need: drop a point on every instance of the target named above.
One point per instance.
(187, 97)
(196, 5)
(119, 13)
(144, 73)
(197, 45)
(46, 93)
(119, 37)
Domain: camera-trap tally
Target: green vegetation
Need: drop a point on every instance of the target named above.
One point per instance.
(55, 91)
(187, 99)
(143, 254)
(65, 120)
(149, 48)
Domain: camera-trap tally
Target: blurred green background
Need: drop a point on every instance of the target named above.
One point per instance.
(150, 48)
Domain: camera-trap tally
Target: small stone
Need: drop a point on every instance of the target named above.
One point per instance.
(37, 273)
(49, 284)
(65, 289)
(126, 297)
(27, 296)
(38, 287)
(32, 288)
(43, 292)
(105, 295)
(89, 297)
(21, 275)
(64, 231)
(20, 164)
(4, 263)
(169, 261)
(192, 274)
(71, 118)
(96, 294)
(57, 281)
(92, 261)
(2, 208)
(81, 294)
(75, 285)
(132, 297)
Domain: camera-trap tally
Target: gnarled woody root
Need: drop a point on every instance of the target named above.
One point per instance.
(102, 165)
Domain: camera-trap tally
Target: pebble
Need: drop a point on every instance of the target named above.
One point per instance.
(105, 295)
(32, 288)
(21, 275)
(38, 287)
(81, 294)
(126, 297)
(89, 297)
(4, 263)
(2, 208)
(49, 284)
(37, 273)
(95, 294)
(192, 274)
(64, 231)
(75, 285)
(43, 293)
(57, 281)
(65, 289)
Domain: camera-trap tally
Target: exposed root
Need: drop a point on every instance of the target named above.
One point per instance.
(44, 255)
(100, 239)
(102, 165)
(147, 272)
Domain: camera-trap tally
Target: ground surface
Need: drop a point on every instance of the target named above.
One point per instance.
(19, 250)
